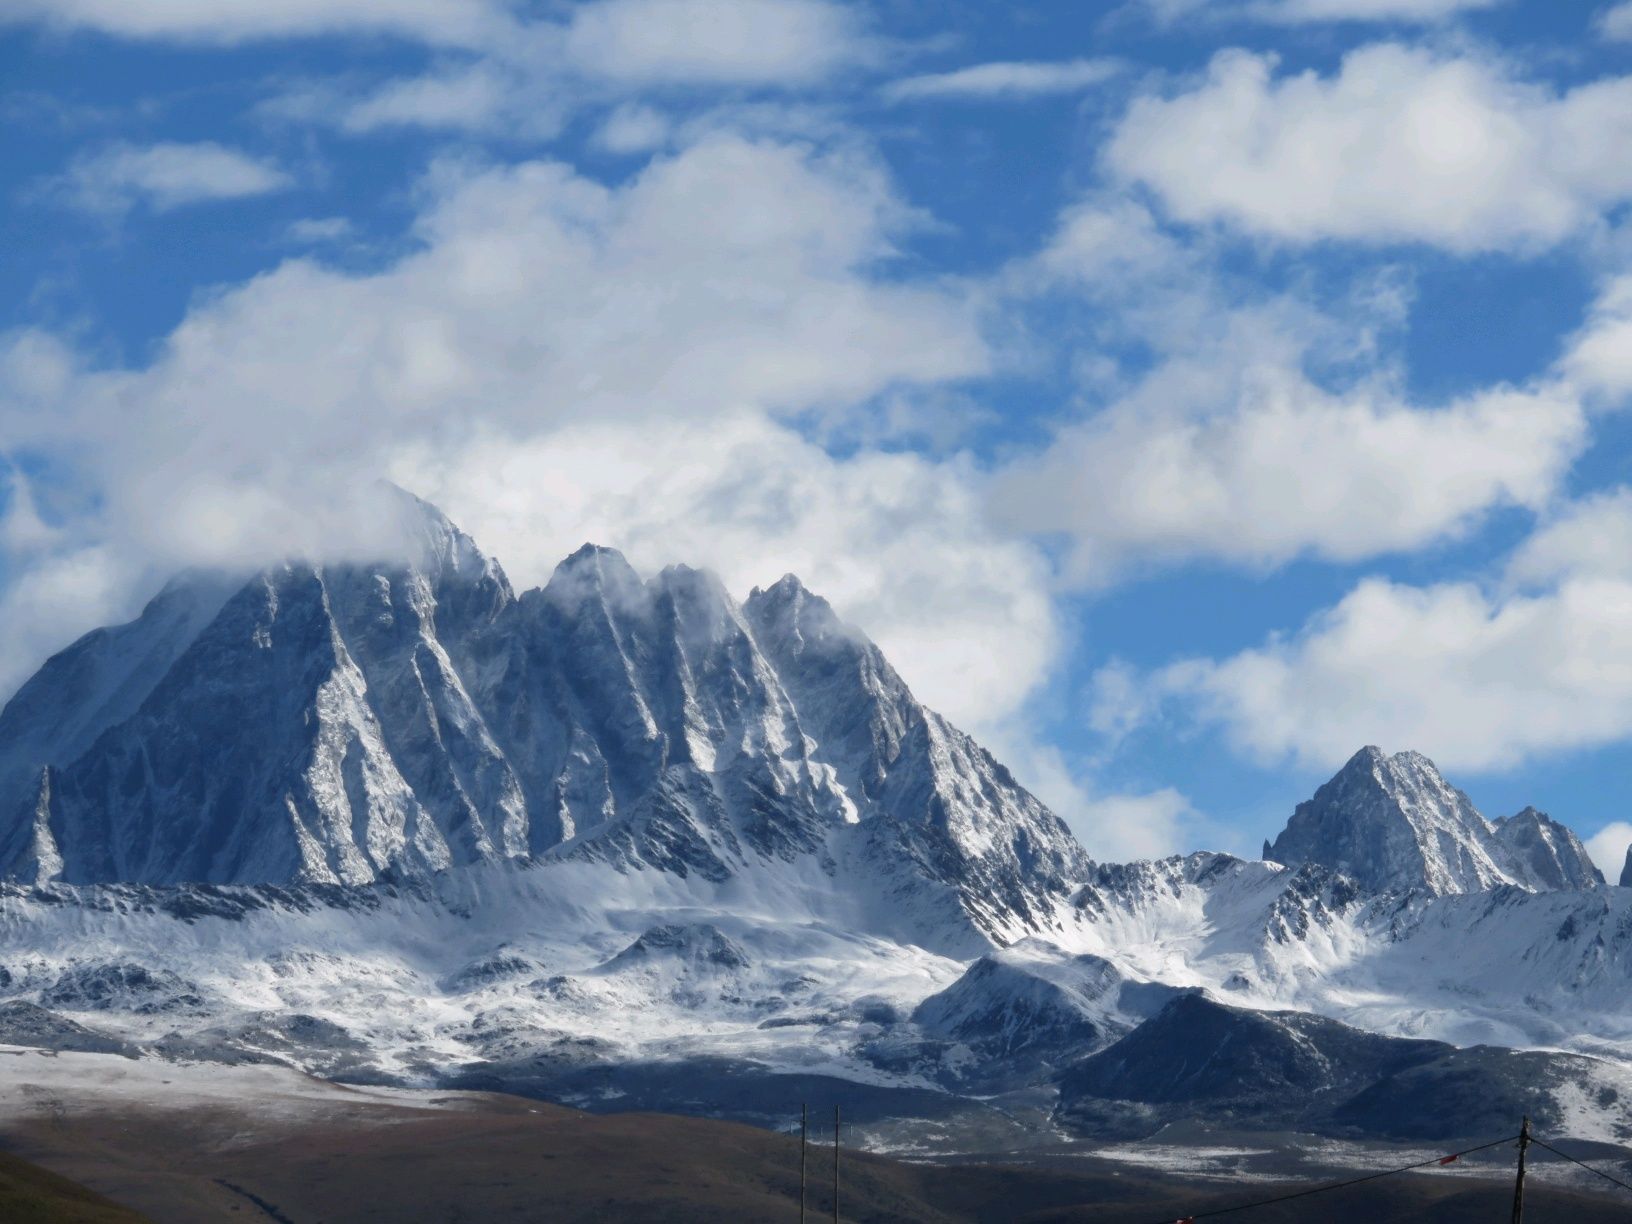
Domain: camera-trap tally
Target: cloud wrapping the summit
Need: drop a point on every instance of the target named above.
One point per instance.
(560, 361)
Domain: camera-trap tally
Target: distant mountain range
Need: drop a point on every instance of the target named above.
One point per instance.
(624, 841)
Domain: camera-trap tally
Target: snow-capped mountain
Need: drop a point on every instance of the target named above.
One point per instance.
(337, 723)
(1394, 822)
(628, 840)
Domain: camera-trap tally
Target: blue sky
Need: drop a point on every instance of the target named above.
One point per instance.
(1184, 393)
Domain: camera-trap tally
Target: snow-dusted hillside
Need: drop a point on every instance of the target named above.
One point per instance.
(628, 839)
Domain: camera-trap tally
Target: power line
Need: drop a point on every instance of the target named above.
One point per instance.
(1543, 1143)
(1353, 1181)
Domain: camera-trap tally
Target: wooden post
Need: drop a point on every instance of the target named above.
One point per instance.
(1518, 1182)
(835, 1164)
(804, 1127)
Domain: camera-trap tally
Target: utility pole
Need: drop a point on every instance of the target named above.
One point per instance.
(835, 1164)
(804, 1127)
(1518, 1182)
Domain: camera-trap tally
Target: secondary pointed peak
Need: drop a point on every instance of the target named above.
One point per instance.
(1393, 822)
(788, 586)
(691, 578)
(1529, 814)
(595, 571)
(788, 607)
(395, 526)
(1549, 854)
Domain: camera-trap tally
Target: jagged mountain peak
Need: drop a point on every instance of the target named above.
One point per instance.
(789, 596)
(350, 721)
(594, 572)
(436, 544)
(1394, 822)
(800, 619)
(1397, 771)
(1551, 854)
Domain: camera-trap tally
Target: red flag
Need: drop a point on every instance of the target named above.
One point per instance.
(1452, 1159)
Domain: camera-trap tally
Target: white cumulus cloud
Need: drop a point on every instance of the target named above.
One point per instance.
(898, 542)
(558, 360)
(1235, 440)
(1608, 848)
(1476, 681)
(1400, 144)
(633, 128)
(1599, 358)
(1289, 470)
(1589, 537)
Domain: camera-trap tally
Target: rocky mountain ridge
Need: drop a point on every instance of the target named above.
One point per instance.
(343, 723)
(623, 837)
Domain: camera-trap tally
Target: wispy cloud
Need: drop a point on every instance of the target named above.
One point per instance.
(1005, 80)
(681, 42)
(1315, 12)
(228, 22)
(163, 176)
(1615, 23)
(317, 230)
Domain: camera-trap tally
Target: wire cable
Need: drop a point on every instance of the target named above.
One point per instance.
(1353, 1181)
(1543, 1143)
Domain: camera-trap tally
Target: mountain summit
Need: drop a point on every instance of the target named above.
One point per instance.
(332, 723)
(1393, 822)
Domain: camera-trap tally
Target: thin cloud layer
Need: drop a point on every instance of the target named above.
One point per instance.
(1317, 12)
(1615, 23)
(1427, 12)
(697, 42)
(1005, 80)
(163, 176)
(443, 22)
